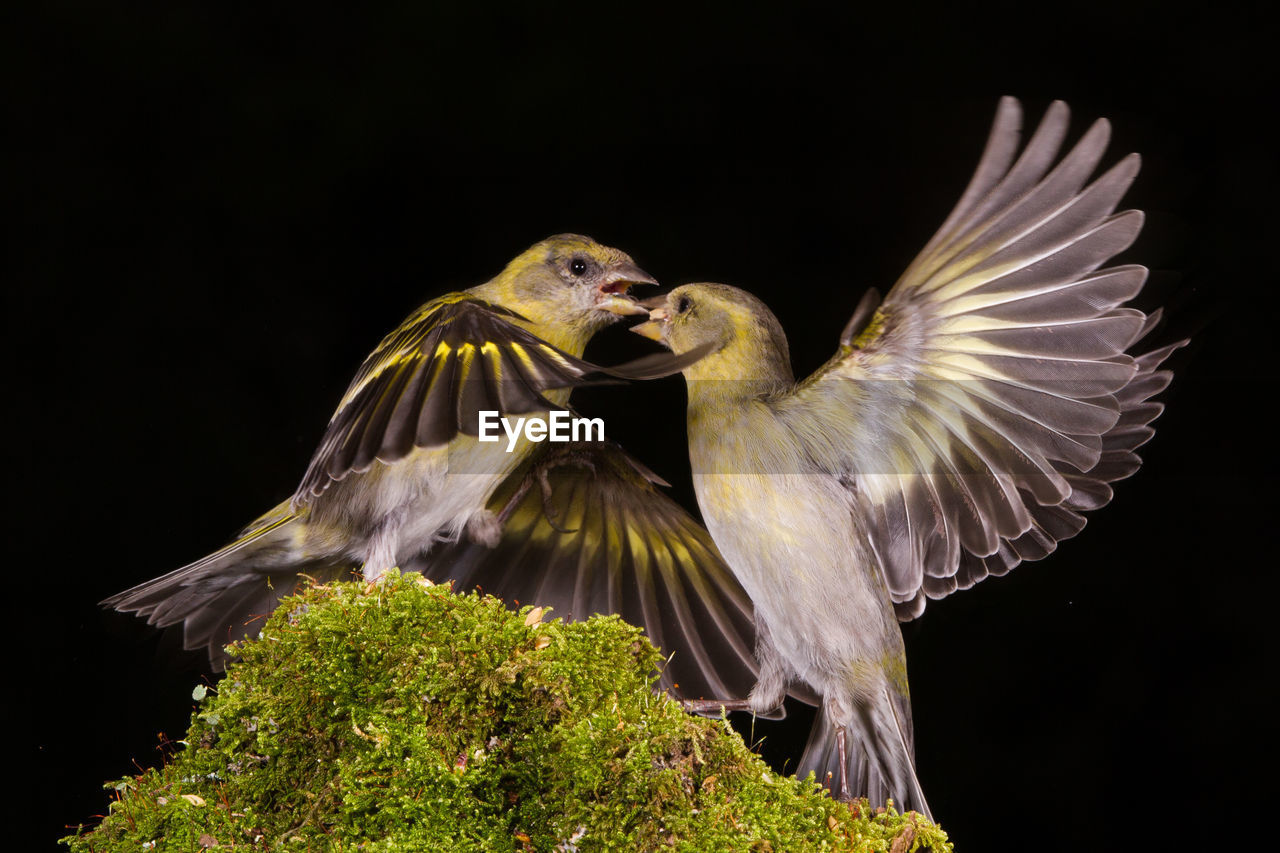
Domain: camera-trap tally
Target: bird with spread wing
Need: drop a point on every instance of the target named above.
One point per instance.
(400, 469)
(965, 424)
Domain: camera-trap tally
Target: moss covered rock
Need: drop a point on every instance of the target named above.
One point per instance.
(399, 716)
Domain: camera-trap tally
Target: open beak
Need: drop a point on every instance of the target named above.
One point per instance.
(612, 294)
(655, 327)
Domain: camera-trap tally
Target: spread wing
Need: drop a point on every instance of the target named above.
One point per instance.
(428, 380)
(990, 399)
(586, 531)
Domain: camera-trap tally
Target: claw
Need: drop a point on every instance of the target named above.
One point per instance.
(714, 707)
(543, 470)
(548, 512)
(842, 748)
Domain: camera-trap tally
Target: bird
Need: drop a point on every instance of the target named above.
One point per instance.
(401, 467)
(967, 421)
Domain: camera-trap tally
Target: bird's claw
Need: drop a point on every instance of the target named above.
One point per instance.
(542, 471)
(714, 707)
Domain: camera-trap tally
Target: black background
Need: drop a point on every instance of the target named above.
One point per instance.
(221, 211)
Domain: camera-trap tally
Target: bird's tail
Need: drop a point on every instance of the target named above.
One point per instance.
(879, 752)
(223, 597)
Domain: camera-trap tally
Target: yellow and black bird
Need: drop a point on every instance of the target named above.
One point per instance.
(400, 471)
(965, 424)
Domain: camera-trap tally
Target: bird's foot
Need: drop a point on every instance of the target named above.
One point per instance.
(539, 474)
(714, 707)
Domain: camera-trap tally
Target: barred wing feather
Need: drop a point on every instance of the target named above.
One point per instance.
(992, 394)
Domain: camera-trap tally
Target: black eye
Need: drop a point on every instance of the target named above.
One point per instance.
(682, 304)
(577, 266)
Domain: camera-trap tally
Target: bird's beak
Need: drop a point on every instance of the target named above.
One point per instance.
(612, 294)
(656, 326)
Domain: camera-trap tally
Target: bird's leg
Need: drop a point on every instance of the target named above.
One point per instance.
(548, 511)
(842, 747)
(514, 501)
(561, 459)
(541, 471)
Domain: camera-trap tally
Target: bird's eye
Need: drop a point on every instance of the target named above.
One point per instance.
(577, 266)
(682, 304)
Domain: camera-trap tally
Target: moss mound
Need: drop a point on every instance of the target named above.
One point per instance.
(399, 716)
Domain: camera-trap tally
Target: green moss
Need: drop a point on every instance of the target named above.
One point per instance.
(399, 716)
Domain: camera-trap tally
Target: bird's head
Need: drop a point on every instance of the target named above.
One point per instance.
(748, 344)
(568, 287)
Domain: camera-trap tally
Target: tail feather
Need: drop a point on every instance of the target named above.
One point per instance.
(880, 760)
(220, 599)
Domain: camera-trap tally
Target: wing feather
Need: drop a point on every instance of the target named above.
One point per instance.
(428, 381)
(992, 399)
